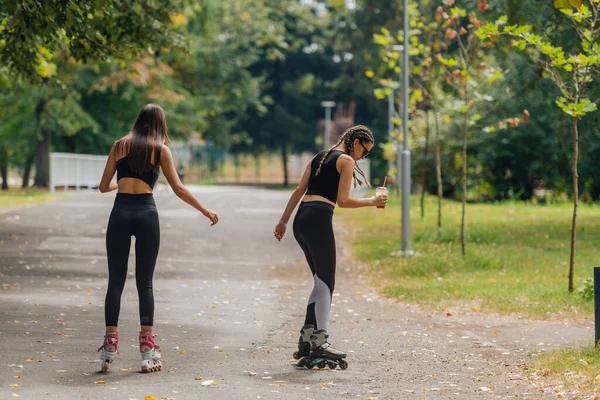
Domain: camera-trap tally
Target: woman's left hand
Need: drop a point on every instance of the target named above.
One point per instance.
(279, 231)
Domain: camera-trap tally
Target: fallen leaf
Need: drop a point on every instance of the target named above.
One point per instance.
(475, 308)
(197, 378)
(100, 382)
(149, 398)
(182, 352)
(251, 373)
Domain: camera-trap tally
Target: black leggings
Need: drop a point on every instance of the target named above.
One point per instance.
(313, 229)
(132, 215)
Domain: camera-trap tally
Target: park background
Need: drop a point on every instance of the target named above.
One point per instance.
(504, 132)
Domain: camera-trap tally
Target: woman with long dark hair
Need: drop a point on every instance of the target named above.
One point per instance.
(326, 181)
(137, 159)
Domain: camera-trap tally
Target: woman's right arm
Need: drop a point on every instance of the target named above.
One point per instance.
(347, 164)
(168, 168)
(295, 198)
(106, 183)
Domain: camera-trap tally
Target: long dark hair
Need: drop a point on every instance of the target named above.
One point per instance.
(148, 135)
(361, 133)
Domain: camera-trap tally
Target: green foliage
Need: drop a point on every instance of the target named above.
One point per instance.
(32, 32)
(587, 290)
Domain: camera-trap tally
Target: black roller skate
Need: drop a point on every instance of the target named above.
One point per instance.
(323, 354)
(304, 342)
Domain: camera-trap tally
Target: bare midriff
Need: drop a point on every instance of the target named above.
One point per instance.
(313, 197)
(133, 186)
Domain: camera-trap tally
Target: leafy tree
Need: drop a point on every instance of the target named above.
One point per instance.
(33, 31)
(572, 73)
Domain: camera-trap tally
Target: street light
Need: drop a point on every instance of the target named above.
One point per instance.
(404, 159)
(328, 106)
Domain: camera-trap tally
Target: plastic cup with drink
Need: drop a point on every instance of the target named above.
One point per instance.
(382, 190)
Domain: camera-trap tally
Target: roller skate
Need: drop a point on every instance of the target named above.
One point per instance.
(323, 354)
(304, 344)
(149, 352)
(109, 350)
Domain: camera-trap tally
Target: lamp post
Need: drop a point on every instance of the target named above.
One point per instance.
(327, 137)
(404, 155)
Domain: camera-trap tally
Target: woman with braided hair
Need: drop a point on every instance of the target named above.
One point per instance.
(326, 181)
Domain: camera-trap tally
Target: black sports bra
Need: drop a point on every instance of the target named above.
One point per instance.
(325, 184)
(124, 171)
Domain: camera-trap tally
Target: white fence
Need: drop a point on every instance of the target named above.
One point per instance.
(75, 170)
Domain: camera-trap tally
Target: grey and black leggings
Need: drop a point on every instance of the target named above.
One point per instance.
(313, 230)
(132, 215)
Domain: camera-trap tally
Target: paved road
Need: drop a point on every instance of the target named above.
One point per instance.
(229, 302)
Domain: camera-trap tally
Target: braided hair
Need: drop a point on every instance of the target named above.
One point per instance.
(361, 133)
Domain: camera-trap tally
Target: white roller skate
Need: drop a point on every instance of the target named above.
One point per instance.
(109, 350)
(149, 352)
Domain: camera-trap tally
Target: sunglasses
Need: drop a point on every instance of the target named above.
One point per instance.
(366, 152)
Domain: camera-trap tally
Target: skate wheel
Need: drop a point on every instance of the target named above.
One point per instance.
(332, 365)
(310, 365)
(343, 364)
(321, 364)
(296, 356)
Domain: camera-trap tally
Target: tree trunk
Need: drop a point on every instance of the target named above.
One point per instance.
(42, 162)
(438, 170)
(42, 165)
(464, 178)
(575, 202)
(4, 171)
(424, 164)
(27, 171)
(284, 160)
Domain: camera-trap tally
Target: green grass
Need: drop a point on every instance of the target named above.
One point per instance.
(517, 256)
(572, 368)
(17, 198)
(208, 180)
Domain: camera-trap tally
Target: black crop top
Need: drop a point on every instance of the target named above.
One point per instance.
(327, 182)
(124, 171)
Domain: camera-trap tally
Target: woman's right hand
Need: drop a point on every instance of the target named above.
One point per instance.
(380, 200)
(212, 216)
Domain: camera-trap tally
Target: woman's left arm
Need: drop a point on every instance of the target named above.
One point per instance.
(107, 184)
